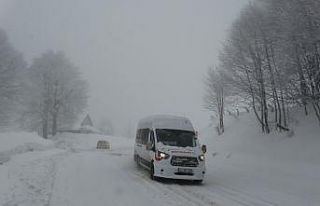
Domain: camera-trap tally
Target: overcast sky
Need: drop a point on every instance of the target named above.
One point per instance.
(140, 57)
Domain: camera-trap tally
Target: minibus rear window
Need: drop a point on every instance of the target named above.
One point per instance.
(179, 138)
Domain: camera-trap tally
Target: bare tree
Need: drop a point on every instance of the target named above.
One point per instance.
(56, 92)
(243, 60)
(215, 97)
(298, 38)
(12, 65)
(272, 55)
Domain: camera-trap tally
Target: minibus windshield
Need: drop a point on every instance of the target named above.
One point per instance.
(177, 138)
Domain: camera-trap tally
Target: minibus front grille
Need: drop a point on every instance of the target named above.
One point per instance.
(184, 161)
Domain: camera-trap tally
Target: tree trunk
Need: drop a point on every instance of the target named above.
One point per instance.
(45, 129)
(254, 100)
(273, 83)
(316, 108)
(264, 106)
(45, 119)
(54, 124)
(222, 112)
(283, 110)
(303, 86)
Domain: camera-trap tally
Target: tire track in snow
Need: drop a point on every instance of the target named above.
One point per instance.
(193, 196)
(247, 197)
(174, 191)
(175, 194)
(171, 199)
(202, 195)
(237, 196)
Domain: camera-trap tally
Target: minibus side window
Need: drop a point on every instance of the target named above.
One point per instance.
(140, 136)
(145, 134)
(137, 136)
(152, 138)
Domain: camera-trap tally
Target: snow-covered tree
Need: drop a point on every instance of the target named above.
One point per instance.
(56, 93)
(244, 62)
(12, 66)
(272, 56)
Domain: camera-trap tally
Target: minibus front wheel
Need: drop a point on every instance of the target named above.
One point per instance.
(198, 182)
(152, 177)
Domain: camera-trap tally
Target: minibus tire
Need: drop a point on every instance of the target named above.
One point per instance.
(138, 161)
(198, 182)
(152, 177)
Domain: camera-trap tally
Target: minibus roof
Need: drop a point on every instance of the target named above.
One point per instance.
(166, 122)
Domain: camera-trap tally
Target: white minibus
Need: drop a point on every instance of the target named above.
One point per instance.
(169, 148)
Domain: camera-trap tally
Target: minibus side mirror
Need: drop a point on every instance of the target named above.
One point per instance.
(204, 148)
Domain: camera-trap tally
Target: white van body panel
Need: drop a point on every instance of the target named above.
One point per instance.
(180, 158)
(166, 122)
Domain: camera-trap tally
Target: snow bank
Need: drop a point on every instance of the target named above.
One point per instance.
(282, 168)
(13, 143)
(243, 137)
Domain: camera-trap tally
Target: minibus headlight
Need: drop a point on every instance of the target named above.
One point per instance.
(201, 158)
(161, 155)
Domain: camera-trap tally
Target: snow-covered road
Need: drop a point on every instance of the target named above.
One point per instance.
(72, 172)
(98, 178)
(90, 177)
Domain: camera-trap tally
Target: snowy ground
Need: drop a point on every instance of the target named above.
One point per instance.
(280, 169)
(254, 170)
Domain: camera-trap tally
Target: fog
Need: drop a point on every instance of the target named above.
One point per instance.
(139, 57)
